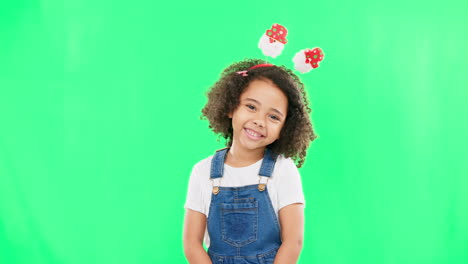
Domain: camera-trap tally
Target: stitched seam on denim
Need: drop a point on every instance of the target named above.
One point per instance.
(269, 252)
(211, 209)
(239, 244)
(216, 255)
(249, 240)
(237, 210)
(217, 164)
(246, 187)
(271, 164)
(214, 161)
(267, 168)
(238, 257)
(223, 158)
(264, 163)
(256, 224)
(260, 260)
(272, 210)
(247, 200)
(263, 169)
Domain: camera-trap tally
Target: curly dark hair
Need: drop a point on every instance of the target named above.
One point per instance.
(224, 95)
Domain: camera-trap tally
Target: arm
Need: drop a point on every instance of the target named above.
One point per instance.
(291, 219)
(194, 229)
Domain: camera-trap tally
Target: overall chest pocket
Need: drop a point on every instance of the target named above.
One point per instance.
(239, 222)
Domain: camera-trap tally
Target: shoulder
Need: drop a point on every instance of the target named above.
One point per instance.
(288, 185)
(206, 162)
(285, 169)
(203, 166)
(285, 164)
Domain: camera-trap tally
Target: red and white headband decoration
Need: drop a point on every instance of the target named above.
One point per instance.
(272, 44)
(273, 41)
(307, 59)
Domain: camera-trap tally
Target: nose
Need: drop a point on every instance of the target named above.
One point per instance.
(259, 122)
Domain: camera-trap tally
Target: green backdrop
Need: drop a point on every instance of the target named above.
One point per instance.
(99, 125)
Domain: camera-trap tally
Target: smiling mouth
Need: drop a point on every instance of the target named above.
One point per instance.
(252, 134)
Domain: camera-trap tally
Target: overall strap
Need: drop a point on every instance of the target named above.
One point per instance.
(266, 170)
(268, 163)
(217, 163)
(217, 168)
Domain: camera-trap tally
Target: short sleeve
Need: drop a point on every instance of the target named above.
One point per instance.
(194, 199)
(289, 185)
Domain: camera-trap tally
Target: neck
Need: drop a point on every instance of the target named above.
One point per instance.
(238, 157)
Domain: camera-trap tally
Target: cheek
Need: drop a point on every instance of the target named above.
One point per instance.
(277, 129)
(236, 123)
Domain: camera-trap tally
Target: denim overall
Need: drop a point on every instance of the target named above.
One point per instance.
(242, 223)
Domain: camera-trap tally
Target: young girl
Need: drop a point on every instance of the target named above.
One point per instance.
(245, 201)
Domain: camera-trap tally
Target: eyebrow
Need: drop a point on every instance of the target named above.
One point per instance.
(274, 109)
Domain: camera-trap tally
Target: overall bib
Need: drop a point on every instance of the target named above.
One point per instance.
(242, 223)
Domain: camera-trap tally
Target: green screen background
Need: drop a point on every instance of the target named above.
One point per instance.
(99, 125)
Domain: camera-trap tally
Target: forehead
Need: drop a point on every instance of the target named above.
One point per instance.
(266, 92)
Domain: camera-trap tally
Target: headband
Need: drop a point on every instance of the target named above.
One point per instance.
(244, 73)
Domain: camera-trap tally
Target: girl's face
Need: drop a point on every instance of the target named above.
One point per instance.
(260, 116)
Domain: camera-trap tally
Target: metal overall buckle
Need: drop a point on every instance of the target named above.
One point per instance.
(216, 188)
(262, 186)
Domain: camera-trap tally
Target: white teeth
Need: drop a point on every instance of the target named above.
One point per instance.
(253, 133)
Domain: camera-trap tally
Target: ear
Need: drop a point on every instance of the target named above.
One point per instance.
(230, 115)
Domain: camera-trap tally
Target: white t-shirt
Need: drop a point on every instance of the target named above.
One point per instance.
(284, 185)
